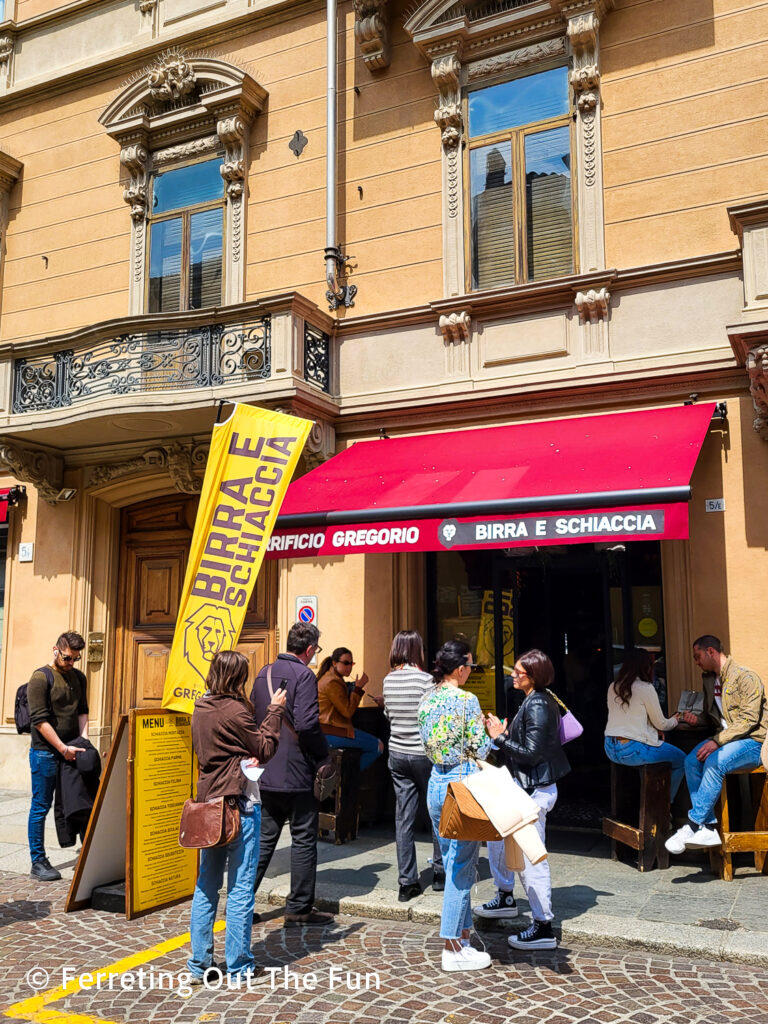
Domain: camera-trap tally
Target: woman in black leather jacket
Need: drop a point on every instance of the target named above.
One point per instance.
(531, 748)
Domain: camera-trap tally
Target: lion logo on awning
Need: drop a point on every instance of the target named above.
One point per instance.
(208, 630)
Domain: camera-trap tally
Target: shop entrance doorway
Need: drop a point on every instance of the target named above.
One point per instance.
(584, 605)
(154, 545)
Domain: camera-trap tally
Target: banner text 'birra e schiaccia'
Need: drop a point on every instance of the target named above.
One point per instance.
(252, 458)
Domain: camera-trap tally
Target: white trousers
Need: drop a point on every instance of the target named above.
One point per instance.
(535, 878)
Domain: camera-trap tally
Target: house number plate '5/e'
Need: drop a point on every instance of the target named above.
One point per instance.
(715, 504)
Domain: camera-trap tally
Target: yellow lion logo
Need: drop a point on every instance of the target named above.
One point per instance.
(208, 631)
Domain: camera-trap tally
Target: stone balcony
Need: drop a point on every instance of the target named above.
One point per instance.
(81, 387)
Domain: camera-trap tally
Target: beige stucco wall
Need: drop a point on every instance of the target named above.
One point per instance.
(728, 550)
(684, 98)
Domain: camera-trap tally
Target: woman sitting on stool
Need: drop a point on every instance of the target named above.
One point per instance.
(338, 704)
(635, 719)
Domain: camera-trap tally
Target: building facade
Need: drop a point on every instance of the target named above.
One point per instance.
(544, 210)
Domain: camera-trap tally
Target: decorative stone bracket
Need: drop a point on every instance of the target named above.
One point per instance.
(42, 469)
(372, 32)
(749, 342)
(446, 72)
(582, 33)
(183, 461)
(593, 306)
(455, 327)
(757, 368)
(321, 444)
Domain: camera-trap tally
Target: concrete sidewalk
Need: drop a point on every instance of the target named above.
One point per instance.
(597, 901)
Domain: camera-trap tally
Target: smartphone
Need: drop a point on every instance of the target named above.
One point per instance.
(283, 684)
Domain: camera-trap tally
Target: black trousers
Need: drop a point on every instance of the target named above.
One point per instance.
(300, 810)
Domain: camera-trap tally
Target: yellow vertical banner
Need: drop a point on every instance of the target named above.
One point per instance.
(251, 462)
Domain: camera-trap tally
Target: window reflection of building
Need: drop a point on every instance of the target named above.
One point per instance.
(492, 222)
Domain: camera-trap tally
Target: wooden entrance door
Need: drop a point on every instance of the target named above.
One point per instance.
(155, 539)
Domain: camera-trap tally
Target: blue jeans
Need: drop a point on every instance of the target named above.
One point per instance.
(42, 764)
(459, 856)
(240, 858)
(362, 741)
(705, 778)
(635, 753)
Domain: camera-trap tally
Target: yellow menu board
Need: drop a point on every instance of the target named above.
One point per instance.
(160, 773)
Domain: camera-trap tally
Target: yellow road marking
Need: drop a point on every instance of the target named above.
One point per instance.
(35, 1009)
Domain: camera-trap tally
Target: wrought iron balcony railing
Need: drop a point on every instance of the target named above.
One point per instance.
(183, 357)
(317, 358)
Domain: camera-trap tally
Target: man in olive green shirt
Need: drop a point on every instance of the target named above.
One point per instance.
(58, 714)
(735, 704)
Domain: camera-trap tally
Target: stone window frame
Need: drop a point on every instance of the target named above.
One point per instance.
(464, 49)
(180, 108)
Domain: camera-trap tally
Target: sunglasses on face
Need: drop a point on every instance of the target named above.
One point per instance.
(68, 657)
(346, 664)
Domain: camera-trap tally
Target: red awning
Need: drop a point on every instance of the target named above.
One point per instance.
(619, 476)
(4, 504)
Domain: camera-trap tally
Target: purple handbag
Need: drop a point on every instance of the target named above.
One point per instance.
(570, 727)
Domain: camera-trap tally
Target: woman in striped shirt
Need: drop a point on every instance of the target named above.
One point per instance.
(409, 766)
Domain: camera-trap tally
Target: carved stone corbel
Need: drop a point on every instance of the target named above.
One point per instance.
(41, 469)
(757, 368)
(372, 32)
(448, 117)
(7, 46)
(147, 6)
(233, 132)
(455, 327)
(593, 307)
(446, 71)
(582, 33)
(135, 159)
(10, 169)
(321, 444)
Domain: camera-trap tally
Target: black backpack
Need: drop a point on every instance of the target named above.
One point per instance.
(21, 707)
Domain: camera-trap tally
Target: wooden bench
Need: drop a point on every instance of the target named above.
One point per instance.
(640, 794)
(756, 839)
(338, 814)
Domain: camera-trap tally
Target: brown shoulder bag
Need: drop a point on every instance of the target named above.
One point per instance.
(208, 824)
(462, 817)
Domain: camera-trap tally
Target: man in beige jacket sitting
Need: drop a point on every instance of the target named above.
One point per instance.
(734, 702)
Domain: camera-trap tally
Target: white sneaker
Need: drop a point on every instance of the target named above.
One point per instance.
(678, 841)
(704, 835)
(467, 958)
(501, 906)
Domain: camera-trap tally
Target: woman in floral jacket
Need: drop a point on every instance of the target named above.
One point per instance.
(453, 733)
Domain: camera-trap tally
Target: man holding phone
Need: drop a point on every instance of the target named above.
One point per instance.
(288, 780)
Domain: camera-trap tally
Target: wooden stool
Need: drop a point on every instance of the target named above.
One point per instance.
(338, 814)
(651, 811)
(754, 841)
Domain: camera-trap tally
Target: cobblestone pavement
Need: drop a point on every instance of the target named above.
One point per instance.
(346, 963)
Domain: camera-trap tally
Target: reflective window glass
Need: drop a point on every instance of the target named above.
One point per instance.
(165, 266)
(549, 221)
(518, 102)
(492, 216)
(205, 251)
(187, 186)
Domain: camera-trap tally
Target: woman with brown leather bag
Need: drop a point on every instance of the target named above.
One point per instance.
(228, 745)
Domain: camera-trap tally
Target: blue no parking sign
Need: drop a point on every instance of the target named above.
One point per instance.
(306, 609)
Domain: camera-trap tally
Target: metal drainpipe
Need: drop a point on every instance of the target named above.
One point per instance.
(337, 294)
